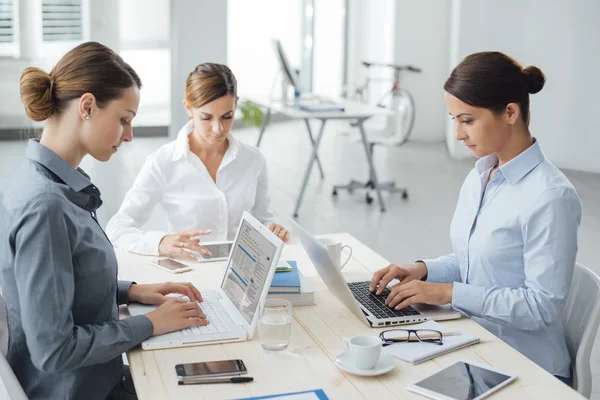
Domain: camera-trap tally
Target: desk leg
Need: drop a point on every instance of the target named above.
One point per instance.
(372, 172)
(312, 141)
(309, 167)
(265, 122)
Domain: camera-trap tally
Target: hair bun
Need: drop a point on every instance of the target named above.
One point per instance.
(535, 79)
(37, 93)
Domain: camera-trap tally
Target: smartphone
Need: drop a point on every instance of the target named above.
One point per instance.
(219, 251)
(170, 265)
(210, 369)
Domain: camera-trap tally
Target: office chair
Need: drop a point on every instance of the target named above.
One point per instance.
(10, 388)
(581, 318)
(404, 116)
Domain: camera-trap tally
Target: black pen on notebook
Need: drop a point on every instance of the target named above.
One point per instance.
(203, 381)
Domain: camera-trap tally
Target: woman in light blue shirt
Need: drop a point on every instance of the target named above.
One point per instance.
(514, 230)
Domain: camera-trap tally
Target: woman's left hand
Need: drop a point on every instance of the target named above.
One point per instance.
(279, 231)
(157, 293)
(404, 295)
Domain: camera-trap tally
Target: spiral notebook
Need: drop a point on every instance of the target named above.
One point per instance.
(417, 352)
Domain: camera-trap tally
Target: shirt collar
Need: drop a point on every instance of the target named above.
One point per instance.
(518, 167)
(182, 145)
(76, 179)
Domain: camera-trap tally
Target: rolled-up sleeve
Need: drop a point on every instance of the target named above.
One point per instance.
(45, 284)
(549, 231)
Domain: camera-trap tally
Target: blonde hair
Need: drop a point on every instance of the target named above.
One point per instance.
(208, 82)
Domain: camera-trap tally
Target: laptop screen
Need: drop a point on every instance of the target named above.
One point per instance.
(248, 270)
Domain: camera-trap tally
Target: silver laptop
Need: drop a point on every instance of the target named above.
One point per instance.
(355, 295)
(232, 309)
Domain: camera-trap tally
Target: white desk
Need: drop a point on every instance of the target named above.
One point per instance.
(317, 333)
(353, 110)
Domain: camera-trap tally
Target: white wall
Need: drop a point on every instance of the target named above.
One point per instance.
(562, 37)
(198, 34)
(144, 23)
(371, 38)
(403, 32)
(104, 22)
(250, 27)
(421, 39)
(144, 33)
(328, 47)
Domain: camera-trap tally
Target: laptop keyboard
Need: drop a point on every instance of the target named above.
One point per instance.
(376, 304)
(220, 322)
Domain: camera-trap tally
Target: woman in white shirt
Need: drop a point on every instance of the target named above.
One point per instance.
(204, 179)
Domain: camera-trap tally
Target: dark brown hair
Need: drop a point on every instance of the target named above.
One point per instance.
(88, 68)
(492, 80)
(208, 82)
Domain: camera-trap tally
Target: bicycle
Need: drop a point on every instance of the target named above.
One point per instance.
(402, 121)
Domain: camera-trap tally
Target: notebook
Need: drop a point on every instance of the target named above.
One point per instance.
(417, 352)
(318, 394)
(283, 266)
(286, 282)
(306, 297)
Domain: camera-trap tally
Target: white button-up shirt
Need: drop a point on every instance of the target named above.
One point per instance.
(177, 180)
(515, 244)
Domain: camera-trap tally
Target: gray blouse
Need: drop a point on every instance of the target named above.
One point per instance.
(58, 275)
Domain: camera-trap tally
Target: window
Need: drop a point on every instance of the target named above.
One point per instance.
(62, 20)
(8, 28)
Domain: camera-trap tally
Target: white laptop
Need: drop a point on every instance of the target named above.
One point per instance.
(355, 295)
(232, 309)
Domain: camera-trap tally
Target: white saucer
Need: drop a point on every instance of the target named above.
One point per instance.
(385, 364)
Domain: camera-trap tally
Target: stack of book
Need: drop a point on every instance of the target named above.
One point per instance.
(289, 284)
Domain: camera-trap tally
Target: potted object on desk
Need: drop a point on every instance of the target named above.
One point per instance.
(252, 114)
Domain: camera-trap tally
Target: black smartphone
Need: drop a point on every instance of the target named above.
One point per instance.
(210, 369)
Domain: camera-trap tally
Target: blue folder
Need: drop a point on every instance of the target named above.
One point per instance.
(286, 282)
(318, 392)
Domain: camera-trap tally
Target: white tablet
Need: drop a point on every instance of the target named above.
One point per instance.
(219, 251)
(463, 380)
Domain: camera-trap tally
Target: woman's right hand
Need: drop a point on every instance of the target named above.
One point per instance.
(404, 273)
(176, 314)
(180, 244)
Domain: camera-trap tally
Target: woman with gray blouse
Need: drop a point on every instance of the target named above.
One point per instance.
(58, 270)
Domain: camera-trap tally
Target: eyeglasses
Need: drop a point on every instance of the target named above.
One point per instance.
(404, 335)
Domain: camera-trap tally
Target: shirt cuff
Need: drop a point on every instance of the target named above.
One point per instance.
(140, 327)
(152, 240)
(468, 299)
(123, 292)
(436, 271)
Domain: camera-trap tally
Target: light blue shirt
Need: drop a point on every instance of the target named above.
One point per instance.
(515, 245)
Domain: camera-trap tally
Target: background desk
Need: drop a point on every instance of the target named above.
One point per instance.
(353, 111)
(317, 334)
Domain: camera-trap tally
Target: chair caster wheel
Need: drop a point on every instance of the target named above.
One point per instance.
(296, 215)
(369, 199)
(383, 210)
(334, 193)
(405, 195)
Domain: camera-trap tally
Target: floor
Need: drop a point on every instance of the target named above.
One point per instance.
(408, 230)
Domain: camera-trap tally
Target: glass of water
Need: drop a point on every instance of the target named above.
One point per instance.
(275, 326)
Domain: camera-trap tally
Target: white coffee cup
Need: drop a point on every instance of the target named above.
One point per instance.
(364, 350)
(334, 248)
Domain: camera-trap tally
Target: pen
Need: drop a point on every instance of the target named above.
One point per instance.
(202, 381)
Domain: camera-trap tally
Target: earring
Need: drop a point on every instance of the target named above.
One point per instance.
(86, 116)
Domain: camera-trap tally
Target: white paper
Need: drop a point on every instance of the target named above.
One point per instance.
(417, 352)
